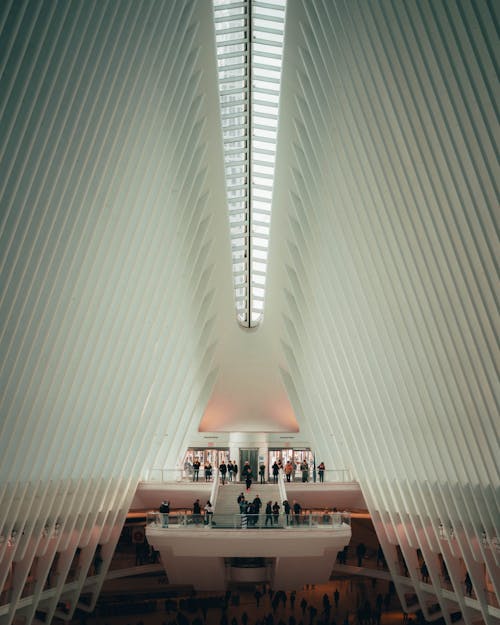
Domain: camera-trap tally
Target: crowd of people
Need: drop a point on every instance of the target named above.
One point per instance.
(337, 603)
(252, 510)
(228, 471)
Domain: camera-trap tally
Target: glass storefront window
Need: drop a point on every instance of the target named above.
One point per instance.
(296, 457)
(212, 455)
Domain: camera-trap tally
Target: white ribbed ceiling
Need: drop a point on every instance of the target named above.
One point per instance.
(118, 336)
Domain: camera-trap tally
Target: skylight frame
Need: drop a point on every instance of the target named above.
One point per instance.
(249, 38)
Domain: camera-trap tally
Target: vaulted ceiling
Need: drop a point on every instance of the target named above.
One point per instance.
(379, 339)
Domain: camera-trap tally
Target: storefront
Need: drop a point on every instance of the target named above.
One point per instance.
(295, 456)
(212, 455)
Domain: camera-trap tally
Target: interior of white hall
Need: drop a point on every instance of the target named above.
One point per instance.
(254, 229)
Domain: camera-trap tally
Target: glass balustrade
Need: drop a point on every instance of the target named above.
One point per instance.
(314, 520)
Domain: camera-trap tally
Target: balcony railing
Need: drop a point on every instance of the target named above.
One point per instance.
(332, 520)
(186, 475)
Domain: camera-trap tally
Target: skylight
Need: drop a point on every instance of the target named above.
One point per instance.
(249, 38)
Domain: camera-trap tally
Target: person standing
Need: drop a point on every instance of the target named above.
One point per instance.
(276, 512)
(286, 509)
(196, 511)
(208, 471)
(269, 513)
(196, 469)
(262, 473)
(304, 467)
(297, 509)
(336, 597)
(164, 511)
(257, 505)
(321, 471)
(360, 553)
(230, 471)
(276, 470)
(235, 471)
(209, 512)
(288, 470)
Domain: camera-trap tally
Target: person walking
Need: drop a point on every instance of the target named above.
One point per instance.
(222, 472)
(246, 473)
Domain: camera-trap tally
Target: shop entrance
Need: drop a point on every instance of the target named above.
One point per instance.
(296, 457)
(252, 455)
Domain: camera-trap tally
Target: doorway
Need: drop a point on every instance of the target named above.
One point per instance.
(252, 455)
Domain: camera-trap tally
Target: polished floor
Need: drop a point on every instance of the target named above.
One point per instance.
(354, 593)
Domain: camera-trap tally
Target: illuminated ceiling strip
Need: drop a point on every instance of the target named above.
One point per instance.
(249, 39)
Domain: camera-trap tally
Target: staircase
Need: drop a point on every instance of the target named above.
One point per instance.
(227, 510)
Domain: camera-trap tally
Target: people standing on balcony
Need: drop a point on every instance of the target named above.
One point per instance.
(230, 470)
(208, 471)
(269, 513)
(276, 512)
(196, 469)
(164, 511)
(262, 473)
(223, 471)
(275, 470)
(288, 470)
(321, 471)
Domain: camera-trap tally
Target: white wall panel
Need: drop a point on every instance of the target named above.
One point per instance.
(110, 254)
(385, 249)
